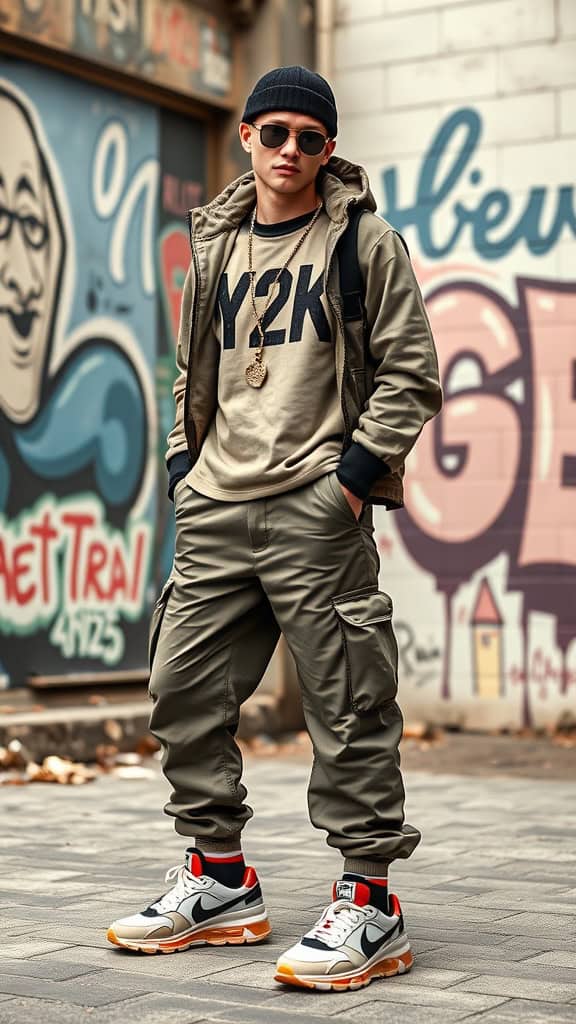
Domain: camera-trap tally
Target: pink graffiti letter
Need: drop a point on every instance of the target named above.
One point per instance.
(480, 447)
(550, 534)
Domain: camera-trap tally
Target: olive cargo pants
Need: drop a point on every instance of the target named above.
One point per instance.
(298, 562)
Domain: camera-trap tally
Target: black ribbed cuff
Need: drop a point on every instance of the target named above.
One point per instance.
(178, 466)
(359, 470)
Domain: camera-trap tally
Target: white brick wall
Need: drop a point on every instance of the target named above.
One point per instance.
(551, 163)
(392, 132)
(537, 67)
(429, 81)
(401, 69)
(567, 99)
(567, 18)
(417, 35)
(359, 92)
(352, 11)
(402, 6)
(497, 23)
(508, 119)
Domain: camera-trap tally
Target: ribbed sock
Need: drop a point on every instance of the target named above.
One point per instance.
(222, 861)
(370, 868)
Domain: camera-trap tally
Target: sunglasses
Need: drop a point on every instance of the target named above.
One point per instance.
(310, 142)
(33, 230)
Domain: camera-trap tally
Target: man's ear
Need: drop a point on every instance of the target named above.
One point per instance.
(328, 150)
(245, 133)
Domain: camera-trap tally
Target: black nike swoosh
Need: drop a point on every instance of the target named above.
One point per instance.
(369, 948)
(201, 913)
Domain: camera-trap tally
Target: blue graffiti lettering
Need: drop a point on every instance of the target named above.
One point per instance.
(483, 218)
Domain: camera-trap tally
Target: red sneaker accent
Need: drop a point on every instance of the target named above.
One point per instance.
(362, 894)
(394, 904)
(195, 866)
(250, 878)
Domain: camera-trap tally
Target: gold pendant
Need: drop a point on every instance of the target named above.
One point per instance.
(256, 374)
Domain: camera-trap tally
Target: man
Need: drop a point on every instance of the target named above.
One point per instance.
(283, 439)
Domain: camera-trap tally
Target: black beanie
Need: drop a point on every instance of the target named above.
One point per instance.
(296, 89)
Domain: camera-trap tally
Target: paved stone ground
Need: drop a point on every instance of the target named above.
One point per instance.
(489, 898)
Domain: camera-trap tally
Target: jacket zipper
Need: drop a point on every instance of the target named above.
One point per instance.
(347, 431)
(347, 439)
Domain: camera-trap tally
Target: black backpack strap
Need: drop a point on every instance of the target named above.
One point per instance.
(352, 286)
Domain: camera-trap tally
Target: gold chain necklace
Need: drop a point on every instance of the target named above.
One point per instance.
(257, 371)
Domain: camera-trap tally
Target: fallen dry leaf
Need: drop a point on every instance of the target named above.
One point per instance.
(147, 746)
(14, 755)
(414, 731)
(59, 770)
(423, 731)
(562, 740)
(113, 730)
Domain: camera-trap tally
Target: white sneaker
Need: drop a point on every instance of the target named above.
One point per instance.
(350, 945)
(195, 911)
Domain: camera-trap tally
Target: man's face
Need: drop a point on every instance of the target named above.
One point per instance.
(286, 169)
(25, 249)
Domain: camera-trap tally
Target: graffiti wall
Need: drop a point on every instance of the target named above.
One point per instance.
(171, 42)
(490, 488)
(92, 188)
(482, 562)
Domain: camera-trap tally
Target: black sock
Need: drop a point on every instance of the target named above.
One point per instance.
(226, 868)
(378, 889)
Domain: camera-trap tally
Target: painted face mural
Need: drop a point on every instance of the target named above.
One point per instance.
(31, 255)
(488, 530)
(84, 339)
(75, 415)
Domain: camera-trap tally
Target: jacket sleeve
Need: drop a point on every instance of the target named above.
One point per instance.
(407, 389)
(177, 455)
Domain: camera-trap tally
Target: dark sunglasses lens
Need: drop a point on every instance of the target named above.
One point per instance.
(312, 143)
(273, 135)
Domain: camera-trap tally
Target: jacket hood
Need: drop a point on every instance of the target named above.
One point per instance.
(340, 183)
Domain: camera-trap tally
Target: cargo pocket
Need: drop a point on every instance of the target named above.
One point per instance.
(156, 620)
(370, 648)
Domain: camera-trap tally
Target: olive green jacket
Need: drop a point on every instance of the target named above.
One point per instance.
(387, 394)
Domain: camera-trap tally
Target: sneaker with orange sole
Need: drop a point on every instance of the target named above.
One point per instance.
(350, 945)
(195, 911)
